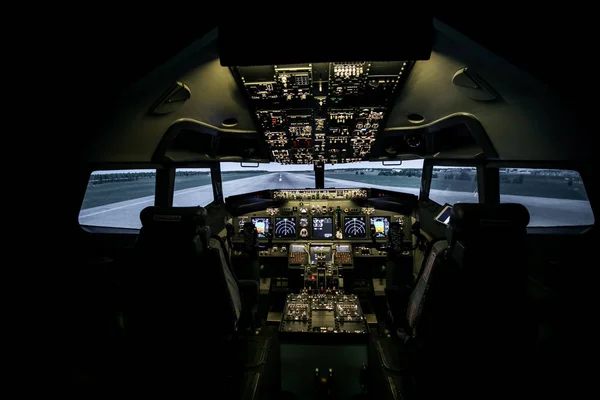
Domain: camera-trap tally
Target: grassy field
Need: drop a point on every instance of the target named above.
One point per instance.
(532, 185)
(543, 186)
(374, 179)
(454, 185)
(186, 182)
(556, 187)
(113, 192)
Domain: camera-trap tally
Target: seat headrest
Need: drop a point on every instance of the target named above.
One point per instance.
(475, 217)
(174, 217)
(172, 226)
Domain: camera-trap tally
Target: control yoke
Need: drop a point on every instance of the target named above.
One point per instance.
(422, 242)
(395, 238)
(373, 237)
(250, 238)
(230, 233)
(250, 246)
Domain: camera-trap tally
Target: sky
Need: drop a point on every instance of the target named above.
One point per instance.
(276, 167)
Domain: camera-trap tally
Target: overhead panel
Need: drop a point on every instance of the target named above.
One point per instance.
(322, 112)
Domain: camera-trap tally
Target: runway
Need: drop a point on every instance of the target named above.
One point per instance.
(125, 214)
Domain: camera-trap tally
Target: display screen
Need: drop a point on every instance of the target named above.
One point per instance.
(285, 227)
(262, 225)
(296, 248)
(444, 216)
(381, 225)
(322, 228)
(343, 248)
(355, 227)
(320, 253)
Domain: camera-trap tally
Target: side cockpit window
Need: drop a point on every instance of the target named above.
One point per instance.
(193, 187)
(115, 198)
(451, 185)
(554, 197)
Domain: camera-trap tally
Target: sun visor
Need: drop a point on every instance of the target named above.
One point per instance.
(324, 39)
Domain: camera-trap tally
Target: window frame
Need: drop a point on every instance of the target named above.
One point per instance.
(85, 177)
(163, 191)
(427, 176)
(561, 165)
(215, 180)
(488, 185)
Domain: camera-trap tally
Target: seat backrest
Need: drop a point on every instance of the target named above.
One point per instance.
(178, 281)
(465, 310)
(420, 296)
(487, 245)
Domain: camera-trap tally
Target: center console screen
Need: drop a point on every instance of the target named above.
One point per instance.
(262, 225)
(382, 226)
(322, 228)
(320, 253)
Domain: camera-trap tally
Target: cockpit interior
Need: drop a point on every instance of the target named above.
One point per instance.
(286, 214)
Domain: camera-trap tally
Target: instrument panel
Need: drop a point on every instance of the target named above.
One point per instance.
(309, 222)
(322, 112)
(327, 313)
(320, 214)
(338, 227)
(324, 194)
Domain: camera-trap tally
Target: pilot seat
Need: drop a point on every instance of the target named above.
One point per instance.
(464, 319)
(181, 298)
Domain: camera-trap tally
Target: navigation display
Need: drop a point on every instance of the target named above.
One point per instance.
(355, 227)
(262, 225)
(382, 226)
(322, 228)
(285, 227)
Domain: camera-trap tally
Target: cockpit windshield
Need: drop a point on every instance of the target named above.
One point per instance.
(400, 178)
(240, 180)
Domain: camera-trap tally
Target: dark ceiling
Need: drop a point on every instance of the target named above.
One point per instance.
(540, 43)
(546, 44)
